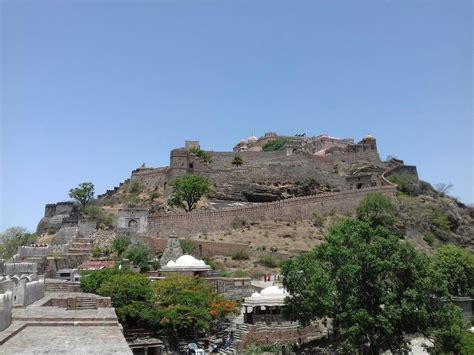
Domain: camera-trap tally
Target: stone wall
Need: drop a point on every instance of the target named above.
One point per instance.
(6, 303)
(185, 224)
(34, 291)
(402, 170)
(57, 215)
(18, 268)
(277, 334)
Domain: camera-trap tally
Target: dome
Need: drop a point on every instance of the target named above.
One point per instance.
(243, 141)
(256, 295)
(188, 260)
(368, 136)
(274, 291)
(171, 263)
(252, 139)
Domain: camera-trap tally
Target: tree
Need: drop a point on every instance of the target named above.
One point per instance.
(120, 244)
(12, 238)
(132, 295)
(237, 161)
(274, 145)
(187, 191)
(376, 209)
(188, 305)
(375, 287)
(455, 267)
(139, 255)
(201, 154)
(83, 193)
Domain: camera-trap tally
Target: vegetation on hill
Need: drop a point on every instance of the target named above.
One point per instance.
(83, 193)
(237, 160)
(187, 191)
(201, 154)
(274, 145)
(377, 288)
(12, 238)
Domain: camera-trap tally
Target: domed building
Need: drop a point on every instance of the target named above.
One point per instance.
(186, 264)
(265, 306)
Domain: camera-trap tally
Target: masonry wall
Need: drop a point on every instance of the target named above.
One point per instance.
(185, 224)
(207, 248)
(6, 302)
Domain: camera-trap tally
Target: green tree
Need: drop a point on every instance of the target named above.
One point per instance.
(120, 244)
(83, 193)
(12, 238)
(456, 268)
(132, 295)
(188, 305)
(374, 287)
(274, 145)
(237, 161)
(187, 191)
(139, 255)
(376, 209)
(201, 154)
(92, 280)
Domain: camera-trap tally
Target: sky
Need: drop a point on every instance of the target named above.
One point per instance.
(90, 90)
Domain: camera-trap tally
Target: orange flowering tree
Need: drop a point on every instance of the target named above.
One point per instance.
(187, 305)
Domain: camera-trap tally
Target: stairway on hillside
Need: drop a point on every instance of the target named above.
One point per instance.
(81, 246)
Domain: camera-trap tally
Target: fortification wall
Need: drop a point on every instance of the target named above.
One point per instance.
(6, 303)
(201, 248)
(34, 291)
(18, 268)
(402, 170)
(185, 224)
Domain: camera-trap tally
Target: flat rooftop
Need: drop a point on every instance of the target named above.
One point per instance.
(38, 329)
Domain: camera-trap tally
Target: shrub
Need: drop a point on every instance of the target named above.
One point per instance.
(429, 239)
(240, 255)
(120, 244)
(98, 251)
(269, 261)
(240, 273)
(138, 254)
(318, 220)
(154, 195)
(239, 222)
(94, 213)
(135, 187)
(187, 246)
(440, 220)
(274, 145)
(406, 183)
(206, 157)
(237, 161)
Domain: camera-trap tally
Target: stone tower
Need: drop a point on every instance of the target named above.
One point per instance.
(172, 251)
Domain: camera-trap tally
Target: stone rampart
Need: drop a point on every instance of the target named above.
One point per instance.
(402, 170)
(6, 303)
(34, 291)
(201, 248)
(18, 268)
(185, 224)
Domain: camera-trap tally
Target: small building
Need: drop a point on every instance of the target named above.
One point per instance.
(265, 306)
(187, 265)
(68, 275)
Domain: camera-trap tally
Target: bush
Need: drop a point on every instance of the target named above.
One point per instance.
(187, 246)
(240, 255)
(429, 239)
(120, 244)
(206, 157)
(135, 187)
(239, 222)
(94, 213)
(440, 220)
(318, 220)
(98, 251)
(240, 273)
(274, 145)
(406, 183)
(138, 254)
(269, 261)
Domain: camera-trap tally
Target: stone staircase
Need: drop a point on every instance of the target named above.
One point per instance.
(239, 330)
(81, 246)
(85, 303)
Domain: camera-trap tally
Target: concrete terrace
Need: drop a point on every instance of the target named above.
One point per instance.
(40, 329)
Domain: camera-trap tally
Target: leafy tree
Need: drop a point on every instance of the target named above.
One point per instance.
(187, 191)
(132, 294)
(456, 268)
(198, 152)
(12, 238)
(188, 305)
(237, 161)
(83, 193)
(92, 280)
(187, 246)
(376, 209)
(120, 244)
(139, 255)
(406, 183)
(374, 287)
(274, 145)
(95, 213)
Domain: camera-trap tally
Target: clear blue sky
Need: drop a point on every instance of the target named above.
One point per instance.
(91, 90)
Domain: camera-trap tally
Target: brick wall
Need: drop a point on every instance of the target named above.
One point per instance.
(185, 224)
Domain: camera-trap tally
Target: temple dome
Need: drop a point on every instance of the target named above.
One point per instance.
(368, 136)
(243, 141)
(274, 291)
(189, 260)
(252, 139)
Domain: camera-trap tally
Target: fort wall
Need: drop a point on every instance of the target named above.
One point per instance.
(201, 248)
(185, 224)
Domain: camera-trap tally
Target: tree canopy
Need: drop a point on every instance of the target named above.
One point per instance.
(83, 193)
(12, 238)
(455, 267)
(187, 191)
(376, 209)
(375, 287)
(139, 255)
(120, 244)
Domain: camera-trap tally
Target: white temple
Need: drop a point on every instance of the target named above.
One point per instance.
(186, 264)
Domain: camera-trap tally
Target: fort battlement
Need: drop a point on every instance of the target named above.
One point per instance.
(185, 224)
